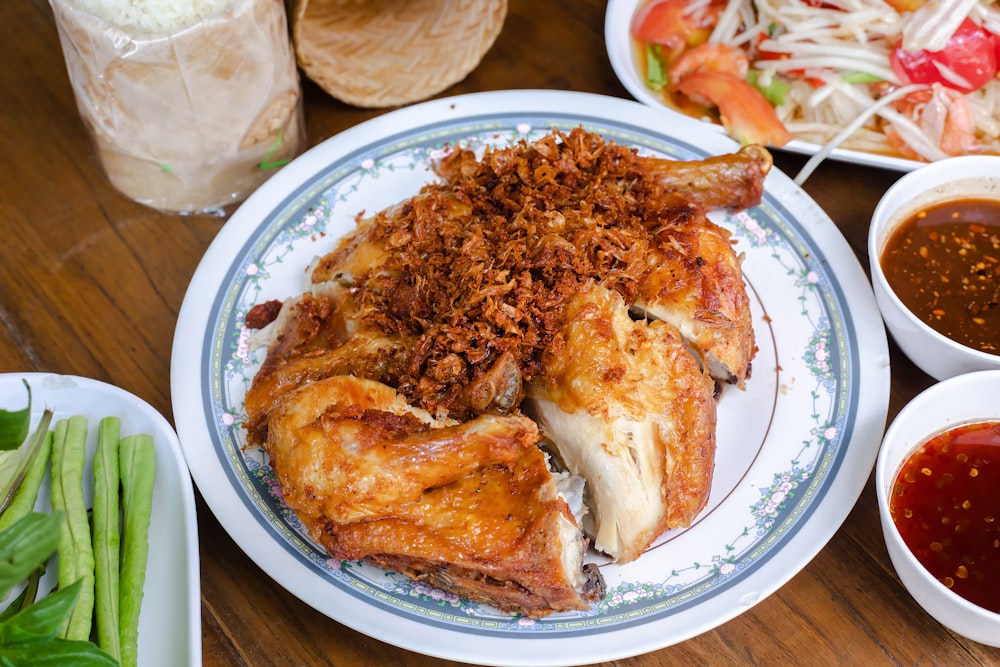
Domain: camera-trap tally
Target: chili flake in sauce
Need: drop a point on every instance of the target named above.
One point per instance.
(944, 264)
(946, 505)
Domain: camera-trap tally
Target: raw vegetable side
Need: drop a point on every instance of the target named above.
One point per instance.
(906, 78)
(137, 464)
(57, 627)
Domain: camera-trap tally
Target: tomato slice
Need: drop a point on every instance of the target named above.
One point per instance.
(966, 63)
(747, 116)
(671, 24)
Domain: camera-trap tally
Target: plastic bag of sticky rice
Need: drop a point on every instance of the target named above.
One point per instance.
(191, 104)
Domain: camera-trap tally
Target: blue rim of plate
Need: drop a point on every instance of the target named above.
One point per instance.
(771, 228)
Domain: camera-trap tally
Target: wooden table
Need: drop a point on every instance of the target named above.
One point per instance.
(91, 284)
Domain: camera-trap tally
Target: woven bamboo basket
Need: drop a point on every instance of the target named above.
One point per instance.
(386, 53)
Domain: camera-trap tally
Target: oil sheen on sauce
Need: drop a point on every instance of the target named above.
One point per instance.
(944, 264)
(946, 504)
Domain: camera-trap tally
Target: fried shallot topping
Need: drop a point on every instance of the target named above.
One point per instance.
(484, 262)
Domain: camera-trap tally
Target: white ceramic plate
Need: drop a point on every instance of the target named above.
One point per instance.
(170, 617)
(794, 450)
(617, 37)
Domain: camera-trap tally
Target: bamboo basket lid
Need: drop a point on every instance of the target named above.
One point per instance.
(385, 53)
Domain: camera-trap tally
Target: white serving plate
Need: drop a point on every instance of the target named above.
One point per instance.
(617, 37)
(170, 617)
(795, 449)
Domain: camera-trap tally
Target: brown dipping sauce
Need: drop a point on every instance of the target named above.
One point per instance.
(944, 265)
(947, 509)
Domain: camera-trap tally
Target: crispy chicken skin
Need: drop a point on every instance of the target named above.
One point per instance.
(734, 180)
(696, 284)
(313, 338)
(627, 408)
(470, 507)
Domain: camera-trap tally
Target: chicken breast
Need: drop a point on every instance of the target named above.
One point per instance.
(627, 408)
(469, 507)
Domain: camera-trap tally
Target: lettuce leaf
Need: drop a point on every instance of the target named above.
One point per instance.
(656, 73)
(14, 425)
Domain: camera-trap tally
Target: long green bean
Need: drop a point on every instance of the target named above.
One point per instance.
(106, 535)
(137, 466)
(76, 554)
(24, 498)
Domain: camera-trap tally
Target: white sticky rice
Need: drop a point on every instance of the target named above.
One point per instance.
(155, 17)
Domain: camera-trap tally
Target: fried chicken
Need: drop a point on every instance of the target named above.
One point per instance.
(695, 283)
(392, 400)
(471, 507)
(628, 409)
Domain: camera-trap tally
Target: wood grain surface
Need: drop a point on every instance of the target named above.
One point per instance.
(91, 284)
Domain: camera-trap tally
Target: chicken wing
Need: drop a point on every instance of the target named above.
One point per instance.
(734, 180)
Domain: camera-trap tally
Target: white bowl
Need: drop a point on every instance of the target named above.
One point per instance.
(971, 176)
(958, 400)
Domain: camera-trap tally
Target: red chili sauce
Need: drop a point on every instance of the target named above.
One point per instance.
(946, 504)
(944, 264)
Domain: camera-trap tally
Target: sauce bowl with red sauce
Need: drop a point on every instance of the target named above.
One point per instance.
(934, 258)
(937, 477)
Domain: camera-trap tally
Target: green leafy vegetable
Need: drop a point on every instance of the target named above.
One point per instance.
(27, 596)
(137, 466)
(41, 620)
(656, 73)
(25, 545)
(14, 424)
(29, 637)
(55, 653)
(19, 462)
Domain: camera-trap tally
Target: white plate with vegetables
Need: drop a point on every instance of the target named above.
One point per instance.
(169, 624)
(861, 82)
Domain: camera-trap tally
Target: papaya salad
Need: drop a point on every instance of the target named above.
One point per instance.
(907, 78)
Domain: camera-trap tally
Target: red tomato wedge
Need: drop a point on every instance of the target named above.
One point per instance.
(747, 116)
(670, 23)
(966, 63)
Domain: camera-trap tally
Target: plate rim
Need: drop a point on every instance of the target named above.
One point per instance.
(409, 634)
